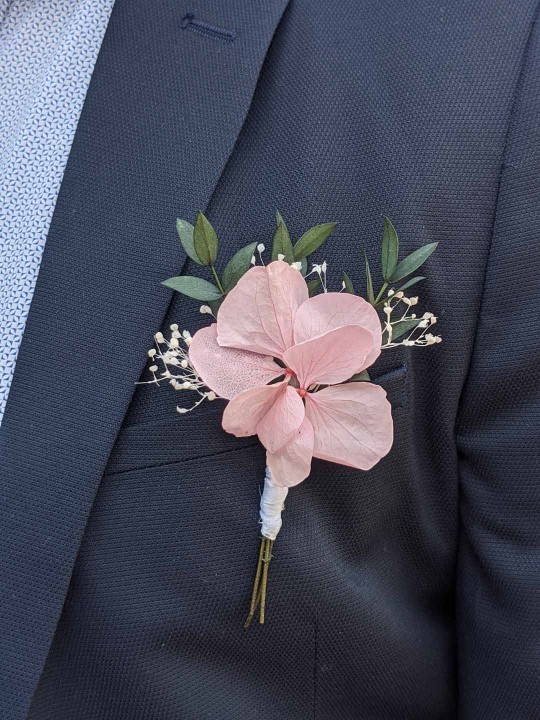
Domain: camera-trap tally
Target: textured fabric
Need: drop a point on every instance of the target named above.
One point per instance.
(98, 289)
(47, 54)
(361, 109)
(498, 584)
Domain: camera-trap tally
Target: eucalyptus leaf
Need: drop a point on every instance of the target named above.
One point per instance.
(412, 262)
(193, 287)
(313, 286)
(185, 233)
(237, 266)
(282, 244)
(349, 287)
(360, 377)
(369, 282)
(411, 282)
(404, 326)
(390, 249)
(205, 240)
(312, 239)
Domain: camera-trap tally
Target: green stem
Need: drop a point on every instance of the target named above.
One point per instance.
(381, 291)
(216, 278)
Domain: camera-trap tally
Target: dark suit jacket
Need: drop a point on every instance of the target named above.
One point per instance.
(128, 534)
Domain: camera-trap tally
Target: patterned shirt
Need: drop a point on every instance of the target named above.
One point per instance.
(48, 49)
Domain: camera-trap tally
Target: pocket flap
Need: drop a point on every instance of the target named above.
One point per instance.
(199, 433)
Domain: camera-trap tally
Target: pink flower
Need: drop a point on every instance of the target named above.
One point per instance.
(318, 341)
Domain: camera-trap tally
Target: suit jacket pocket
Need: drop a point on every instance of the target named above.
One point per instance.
(199, 434)
(394, 381)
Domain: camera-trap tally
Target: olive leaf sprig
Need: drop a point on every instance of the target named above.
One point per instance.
(394, 272)
(201, 244)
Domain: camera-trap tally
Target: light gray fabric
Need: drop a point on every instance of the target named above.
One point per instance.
(48, 49)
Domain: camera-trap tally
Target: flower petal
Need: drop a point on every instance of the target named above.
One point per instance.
(330, 358)
(352, 424)
(228, 371)
(292, 463)
(273, 412)
(328, 311)
(282, 420)
(258, 314)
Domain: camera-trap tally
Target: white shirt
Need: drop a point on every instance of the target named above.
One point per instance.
(48, 49)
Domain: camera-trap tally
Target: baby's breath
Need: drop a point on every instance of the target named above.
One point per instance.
(171, 363)
(320, 271)
(397, 311)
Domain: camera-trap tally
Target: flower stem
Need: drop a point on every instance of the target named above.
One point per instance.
(255, 595)
(266, 562)
(258, 594)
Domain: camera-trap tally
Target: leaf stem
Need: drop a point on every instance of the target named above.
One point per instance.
(379, 296)
(216, 278)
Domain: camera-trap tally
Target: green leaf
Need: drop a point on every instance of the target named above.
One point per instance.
(360, 377)
(348, 284)
(279, 219)
(237, 266)
(205, 240)
(411, 282)
(303, 269)
(215, 305)
(282, 244)
(369, 282)
(404, 326)
(193, 287)
(390, 249)
(312, 239)
(412, 262)
(313, 286)
(185, 233)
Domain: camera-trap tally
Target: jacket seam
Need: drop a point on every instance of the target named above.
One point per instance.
(179, 461)
(506, 143)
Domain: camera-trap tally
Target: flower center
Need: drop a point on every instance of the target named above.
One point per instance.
(293, 381)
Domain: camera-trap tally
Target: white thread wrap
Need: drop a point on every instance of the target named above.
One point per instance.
(272, 504)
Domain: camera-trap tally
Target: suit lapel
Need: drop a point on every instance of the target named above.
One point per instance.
(165, 105)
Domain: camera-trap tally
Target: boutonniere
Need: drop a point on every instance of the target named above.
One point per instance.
(291, 357)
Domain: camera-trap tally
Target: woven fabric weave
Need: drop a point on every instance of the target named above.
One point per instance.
(406, 592)
(47, 55)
